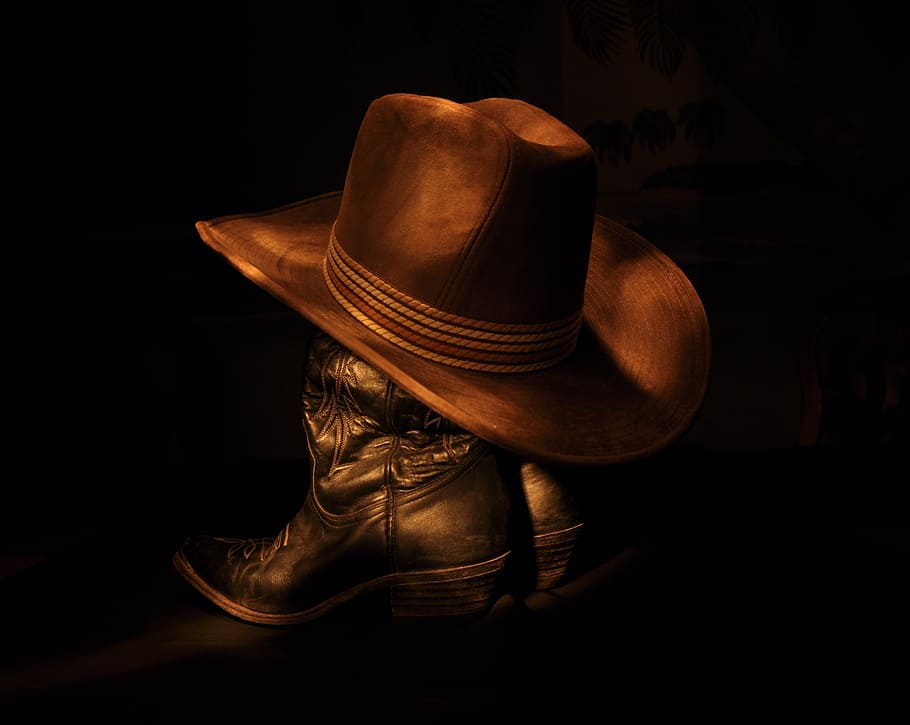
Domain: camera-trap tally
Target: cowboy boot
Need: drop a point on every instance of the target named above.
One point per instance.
(554, 523)
(400, 499)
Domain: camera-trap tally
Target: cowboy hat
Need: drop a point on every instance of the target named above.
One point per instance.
(465, 260)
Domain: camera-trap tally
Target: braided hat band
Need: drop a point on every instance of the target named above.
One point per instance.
(442, 336)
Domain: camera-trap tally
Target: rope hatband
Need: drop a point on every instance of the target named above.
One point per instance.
(442, 336)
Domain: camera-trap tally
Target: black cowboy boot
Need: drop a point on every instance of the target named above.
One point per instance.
(400, 499)
(554, 525)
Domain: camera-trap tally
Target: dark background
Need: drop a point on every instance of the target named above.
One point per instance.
(154, 390)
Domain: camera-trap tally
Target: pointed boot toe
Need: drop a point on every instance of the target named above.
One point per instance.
(400, 501)
(231, 573)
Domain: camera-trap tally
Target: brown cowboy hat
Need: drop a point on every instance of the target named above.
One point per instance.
(464, 260)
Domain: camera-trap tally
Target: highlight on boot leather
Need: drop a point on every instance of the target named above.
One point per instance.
(400, 500)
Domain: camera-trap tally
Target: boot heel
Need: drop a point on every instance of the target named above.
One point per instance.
(552, 555)
(443, 594)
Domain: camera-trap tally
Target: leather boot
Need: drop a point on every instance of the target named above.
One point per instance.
(554, 524)
(400, 499)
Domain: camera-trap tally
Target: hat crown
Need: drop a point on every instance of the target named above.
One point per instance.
(482, 210)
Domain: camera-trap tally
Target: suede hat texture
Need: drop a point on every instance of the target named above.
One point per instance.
(465, 260)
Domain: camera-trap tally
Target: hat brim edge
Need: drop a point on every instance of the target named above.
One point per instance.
(613, 401)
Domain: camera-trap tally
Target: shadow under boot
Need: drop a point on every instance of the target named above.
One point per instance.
(401, 500)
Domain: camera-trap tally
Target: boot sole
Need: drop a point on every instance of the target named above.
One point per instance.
(454, 593)
(552, 554)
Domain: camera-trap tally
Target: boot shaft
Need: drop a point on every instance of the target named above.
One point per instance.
(433, 488)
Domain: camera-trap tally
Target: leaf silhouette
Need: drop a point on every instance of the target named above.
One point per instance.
(654, 130)
(611, 140)
(599, 27)
(658, 33)
(482, 36)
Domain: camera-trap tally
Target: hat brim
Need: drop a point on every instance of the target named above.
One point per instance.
(633, 386)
